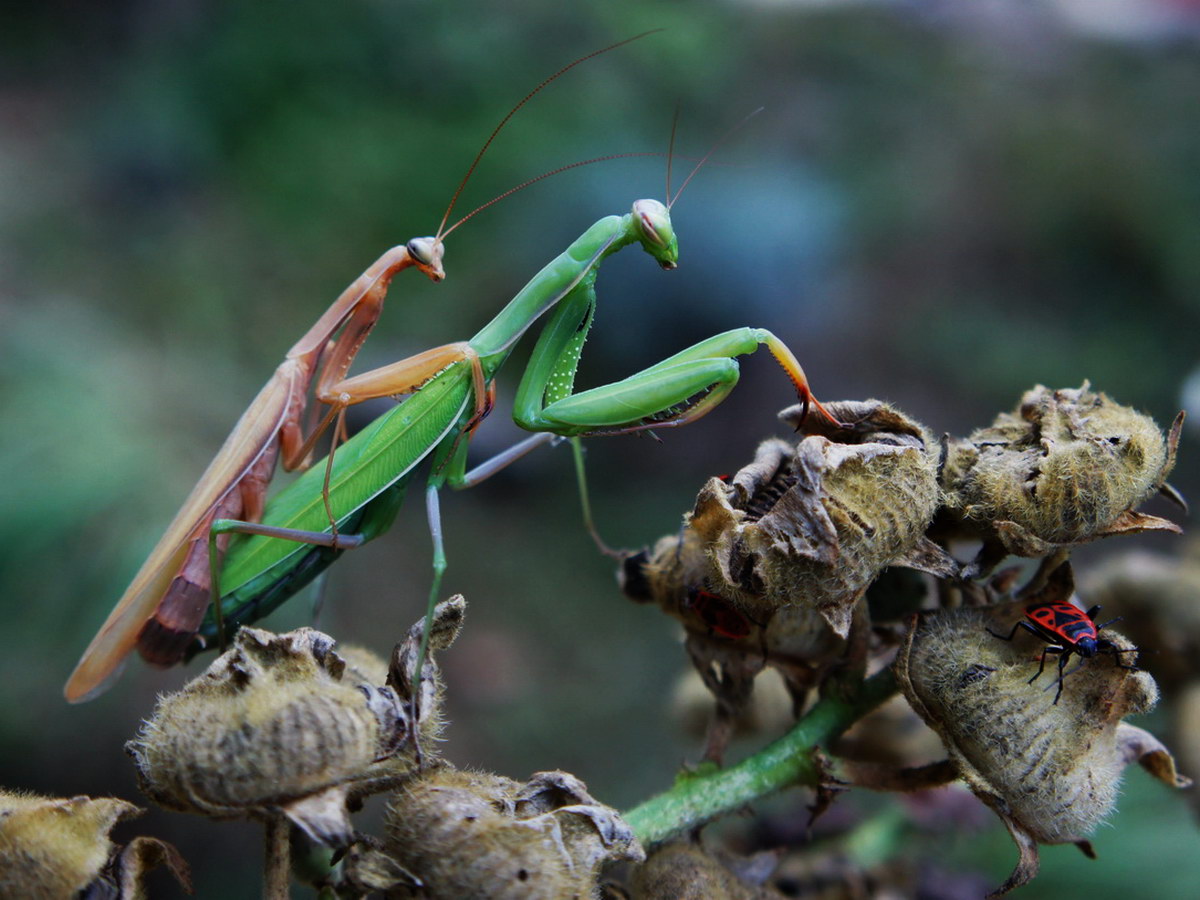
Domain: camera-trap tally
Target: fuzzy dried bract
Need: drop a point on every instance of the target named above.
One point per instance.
(280, 723)
(728, 648)
(813, 525)
(685, 870)
(1066, 467)
(474, 835)
(52, 848)
(1051, 772)
(1158, 597)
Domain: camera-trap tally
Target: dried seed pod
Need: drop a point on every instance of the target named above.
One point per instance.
(1158, 598)
(52, 848)
(467, 835)
(1064, 468)
(280, 723)
(676, 575)
(729, 647)
(812, 526)
(1185, 730)
(769, 711)
(1050, 771)
(685, 870)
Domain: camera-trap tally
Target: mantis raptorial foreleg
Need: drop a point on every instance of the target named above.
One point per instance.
(648, 398)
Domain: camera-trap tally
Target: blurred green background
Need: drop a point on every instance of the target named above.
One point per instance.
(941, 205)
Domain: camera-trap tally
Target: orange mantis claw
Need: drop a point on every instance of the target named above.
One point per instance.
(795, 372)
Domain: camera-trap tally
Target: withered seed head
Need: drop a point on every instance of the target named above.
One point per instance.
(677, 574)
(1158, 598)
(1050, 771)
(768, 713)
(475, 835)
(813, 525)
(52, 848)
(280, 722)
(1066, 467)
(685, 870)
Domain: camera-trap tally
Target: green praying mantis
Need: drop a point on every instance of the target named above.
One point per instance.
(451, 390)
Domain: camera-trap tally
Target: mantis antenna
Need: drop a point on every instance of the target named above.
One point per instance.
(512, 112)
(711, 150)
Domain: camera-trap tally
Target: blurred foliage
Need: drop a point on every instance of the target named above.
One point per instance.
(941, 205)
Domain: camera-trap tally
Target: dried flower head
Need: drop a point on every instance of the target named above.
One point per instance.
(1066, 467)
(280, 723)
(685, 870)
(52, 848)
(1158, 598)
(677, 575)
(1049, 770)
(769, 712)
(468, 835)
(812, 526)
(729, 647)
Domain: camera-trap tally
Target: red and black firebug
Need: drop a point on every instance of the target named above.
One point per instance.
(1067, 629)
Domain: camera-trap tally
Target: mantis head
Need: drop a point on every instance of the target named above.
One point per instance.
(426, 253)
(653, 223)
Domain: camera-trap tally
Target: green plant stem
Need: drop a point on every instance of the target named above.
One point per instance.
(699, 798)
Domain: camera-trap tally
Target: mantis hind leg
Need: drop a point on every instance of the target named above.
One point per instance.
(222, 527)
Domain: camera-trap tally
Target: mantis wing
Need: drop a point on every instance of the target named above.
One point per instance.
(251, 437)
(380, 455)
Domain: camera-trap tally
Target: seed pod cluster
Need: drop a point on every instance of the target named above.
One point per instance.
(814, 524)
(478, 836)
(279, 722)
(1050, 771)
(52, 848)
(1066, 467)
(772, 563)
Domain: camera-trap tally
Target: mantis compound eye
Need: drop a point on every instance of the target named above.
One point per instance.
(421, 250)
(426, 252)
(657, 233)
(654, 221)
